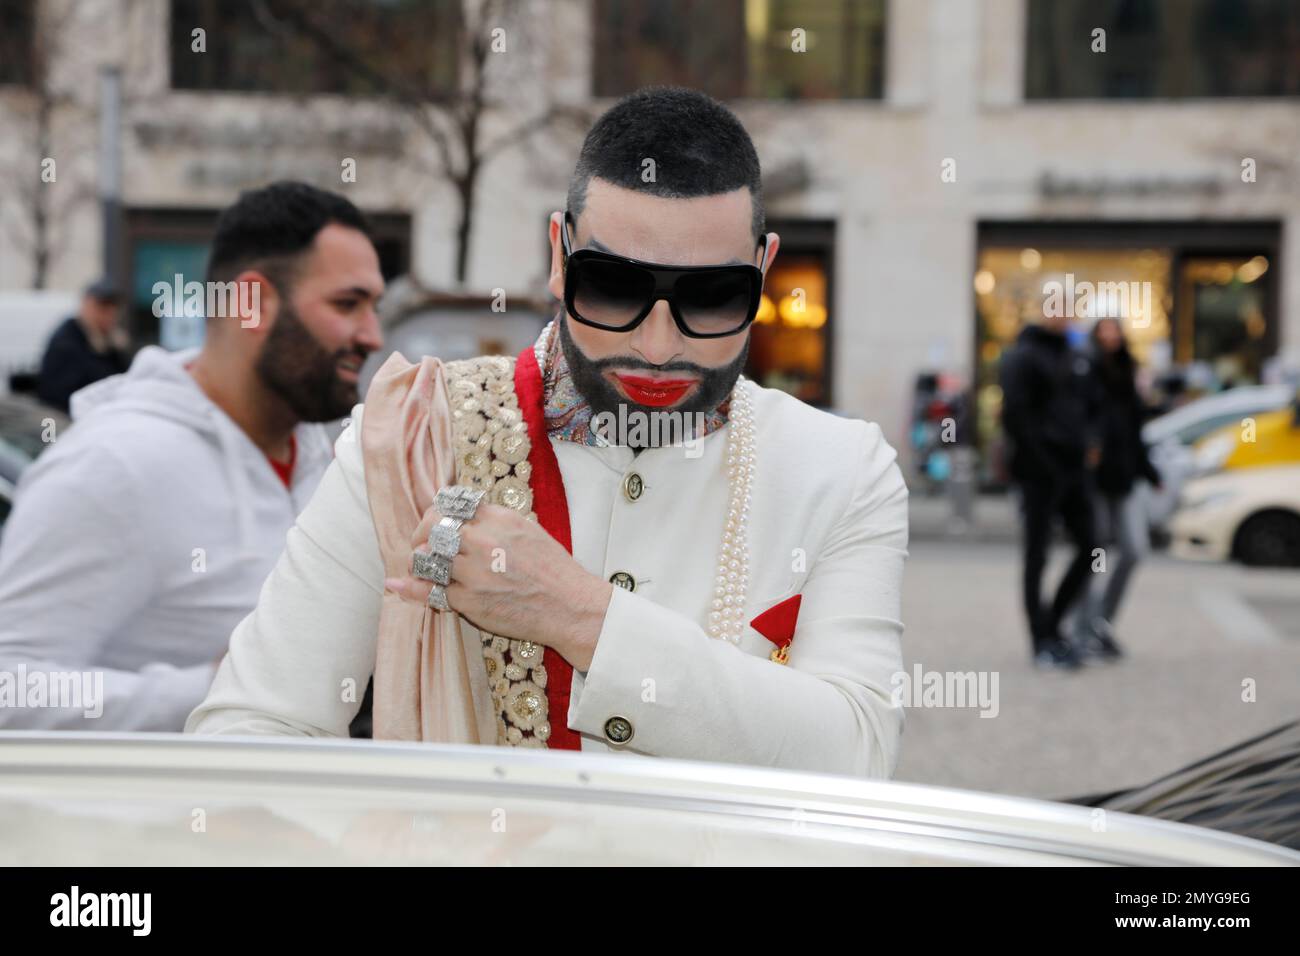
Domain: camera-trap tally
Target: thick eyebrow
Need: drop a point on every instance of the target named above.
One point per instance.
(358, 291)
(596, 244)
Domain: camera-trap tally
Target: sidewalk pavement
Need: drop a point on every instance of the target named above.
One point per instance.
(1213, 658)
(994, 519)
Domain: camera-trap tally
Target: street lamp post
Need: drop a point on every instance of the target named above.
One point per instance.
(110, 168)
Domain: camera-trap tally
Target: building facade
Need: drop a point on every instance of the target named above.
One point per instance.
(931, 164)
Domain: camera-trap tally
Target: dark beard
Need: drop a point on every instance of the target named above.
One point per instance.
(714, 388)
(295, 367)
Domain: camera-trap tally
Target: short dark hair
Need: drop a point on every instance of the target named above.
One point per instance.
(698, 146)
(268, 228)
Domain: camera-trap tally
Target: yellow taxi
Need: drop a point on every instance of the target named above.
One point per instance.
(1265, 440)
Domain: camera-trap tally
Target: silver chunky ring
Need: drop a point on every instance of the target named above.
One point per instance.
(438, 598)
(444, 540)
(458, 501)
(456, 504)
(431, 567)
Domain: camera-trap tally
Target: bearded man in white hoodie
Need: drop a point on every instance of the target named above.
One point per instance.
(144, 535)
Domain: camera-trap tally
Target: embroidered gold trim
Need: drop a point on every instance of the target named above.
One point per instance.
(491, 441)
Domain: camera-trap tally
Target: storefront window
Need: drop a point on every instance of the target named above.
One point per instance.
(1222, 303)
(1195, 322)
(788, 347)
(164, 243)
(772, 49)
(161, 261)
(1012, 286)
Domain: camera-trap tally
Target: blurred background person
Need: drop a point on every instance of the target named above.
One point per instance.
(144, 535)
(1119, 504)
(1047, 415)
(86, 347)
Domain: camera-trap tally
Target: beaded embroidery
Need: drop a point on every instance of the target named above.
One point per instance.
(491, 441)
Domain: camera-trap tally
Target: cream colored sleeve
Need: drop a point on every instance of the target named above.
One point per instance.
(831, 709)
(298, 664)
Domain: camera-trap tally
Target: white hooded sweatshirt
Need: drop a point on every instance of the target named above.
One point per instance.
(135, 546)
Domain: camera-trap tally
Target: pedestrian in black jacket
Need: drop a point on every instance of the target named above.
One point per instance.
(1119, 502)
(85, 348)
(1047, 415)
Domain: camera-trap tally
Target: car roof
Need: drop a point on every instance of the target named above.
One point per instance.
(71, 798)
(1246, 399)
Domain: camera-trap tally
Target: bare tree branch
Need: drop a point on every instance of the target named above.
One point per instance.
(453, 123)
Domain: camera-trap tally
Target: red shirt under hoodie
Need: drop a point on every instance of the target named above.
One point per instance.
(285, 468)
(282, 468)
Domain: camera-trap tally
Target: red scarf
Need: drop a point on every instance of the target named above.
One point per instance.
(552, 510)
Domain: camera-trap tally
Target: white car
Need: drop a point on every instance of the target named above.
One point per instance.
(1171, 437)
(25, 429)
(1248, 514)
(167, 799)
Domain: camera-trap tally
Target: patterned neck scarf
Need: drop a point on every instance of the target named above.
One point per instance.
(568, 416)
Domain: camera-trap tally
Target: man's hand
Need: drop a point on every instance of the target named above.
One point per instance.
(512, 578)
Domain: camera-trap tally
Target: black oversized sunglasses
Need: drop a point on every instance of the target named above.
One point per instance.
(615, 293)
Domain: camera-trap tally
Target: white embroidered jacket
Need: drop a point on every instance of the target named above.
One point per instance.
(828, 521)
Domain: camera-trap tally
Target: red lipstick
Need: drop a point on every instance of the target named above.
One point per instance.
(655, 392)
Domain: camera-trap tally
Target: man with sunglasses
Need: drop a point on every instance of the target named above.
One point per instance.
(730, 595)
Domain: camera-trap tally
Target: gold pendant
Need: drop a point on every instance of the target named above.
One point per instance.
(781, 655)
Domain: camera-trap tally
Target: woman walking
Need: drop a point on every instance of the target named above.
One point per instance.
(1119, 499)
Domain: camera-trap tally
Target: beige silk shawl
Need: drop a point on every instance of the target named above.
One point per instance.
(427, 425)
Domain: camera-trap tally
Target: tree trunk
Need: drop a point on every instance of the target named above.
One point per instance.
(465, 227)
(466, 185)
(41, 197)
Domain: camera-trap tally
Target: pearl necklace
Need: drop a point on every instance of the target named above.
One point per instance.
(731, 582)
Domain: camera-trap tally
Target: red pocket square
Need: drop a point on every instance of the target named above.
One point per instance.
(777, 622)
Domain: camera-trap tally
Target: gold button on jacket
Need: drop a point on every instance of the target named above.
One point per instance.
(618, 730)
(633, 486)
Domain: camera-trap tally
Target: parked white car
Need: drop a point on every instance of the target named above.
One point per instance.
(26, 321)
(419, 322)
(23, 435)
(1172, 438)
(1248, 514)
(96, 799)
